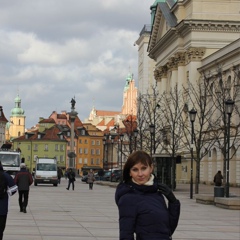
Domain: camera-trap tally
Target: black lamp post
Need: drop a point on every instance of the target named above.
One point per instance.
(152, 131)
(192, 115)
(229, 109)
(112, 142)
(121, 140)
(104, 153)
(135, 133)
(106, 137)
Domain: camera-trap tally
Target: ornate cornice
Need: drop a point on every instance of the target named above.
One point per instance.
(194, 54)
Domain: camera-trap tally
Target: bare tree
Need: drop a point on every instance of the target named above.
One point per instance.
(172, 121)
(149, 113)
(199, 98)
(226, 86)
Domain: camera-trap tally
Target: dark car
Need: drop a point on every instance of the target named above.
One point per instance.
(116, 175)
(84, 178)
(105, 176)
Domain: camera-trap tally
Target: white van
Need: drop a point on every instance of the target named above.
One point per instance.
(46, 171)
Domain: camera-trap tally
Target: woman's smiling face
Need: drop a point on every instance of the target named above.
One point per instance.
(141, 173)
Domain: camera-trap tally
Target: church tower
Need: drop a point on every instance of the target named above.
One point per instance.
(129, 97)
(17, 120)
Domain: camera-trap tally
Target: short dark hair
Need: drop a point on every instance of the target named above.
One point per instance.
(133, 159)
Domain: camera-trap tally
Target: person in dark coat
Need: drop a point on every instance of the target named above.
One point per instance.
(60, 175)
(218, 179)
(24, 180)
(143, 210)
(71, 178)
(11, 189)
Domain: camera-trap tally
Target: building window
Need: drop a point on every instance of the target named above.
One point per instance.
(61, 158)
(86, 141)
(83, 132)
(61, 147)
(80, 150)
(35, 147)
(39, 136)
(93, 142)
(80, 140)
(85, 161)
(56, 147)
(97, 151)
(98, 161)
(92, 151)
(92, 161)
(80, 160)
(98, 143)
(46, 147)
(29, 147)
(210, 153)
(85, 150)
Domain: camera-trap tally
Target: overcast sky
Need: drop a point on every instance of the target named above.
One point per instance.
(53, 50)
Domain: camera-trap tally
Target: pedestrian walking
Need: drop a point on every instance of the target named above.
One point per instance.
(60, 175)
(143, 210)
(7, 188)
(90, 179)
(218, 179)
(71, 179)
(23, 180)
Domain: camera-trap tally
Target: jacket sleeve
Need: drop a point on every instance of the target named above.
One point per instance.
(174, 214)
(12, 187)
(30, 179)
(127, 218)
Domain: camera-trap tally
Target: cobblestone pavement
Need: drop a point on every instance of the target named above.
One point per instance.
(54, 213)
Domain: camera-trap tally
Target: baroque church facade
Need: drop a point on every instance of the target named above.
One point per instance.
(188, 39)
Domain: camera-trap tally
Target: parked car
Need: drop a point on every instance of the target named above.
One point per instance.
(84, 178)
(116, 175)
(105, 177)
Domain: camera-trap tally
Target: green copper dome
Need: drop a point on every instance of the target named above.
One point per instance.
(17, 111)
(129, 78)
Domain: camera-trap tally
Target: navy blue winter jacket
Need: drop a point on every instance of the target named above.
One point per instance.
(143, 210)
(12, 188)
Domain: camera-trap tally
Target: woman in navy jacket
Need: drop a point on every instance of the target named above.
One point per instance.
(142, 207)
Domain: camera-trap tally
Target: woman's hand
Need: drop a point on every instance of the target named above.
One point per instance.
(167, 192)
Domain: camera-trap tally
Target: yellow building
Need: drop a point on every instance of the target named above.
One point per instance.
(89, 148)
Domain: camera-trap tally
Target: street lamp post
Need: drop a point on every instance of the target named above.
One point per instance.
(192, 115)
(112, 142)
(152, 131)
(229, 109)
(135, 133)
(104, 153)
(106, 137)
(121, 139)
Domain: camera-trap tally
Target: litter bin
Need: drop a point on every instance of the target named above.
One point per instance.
(218, 191)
